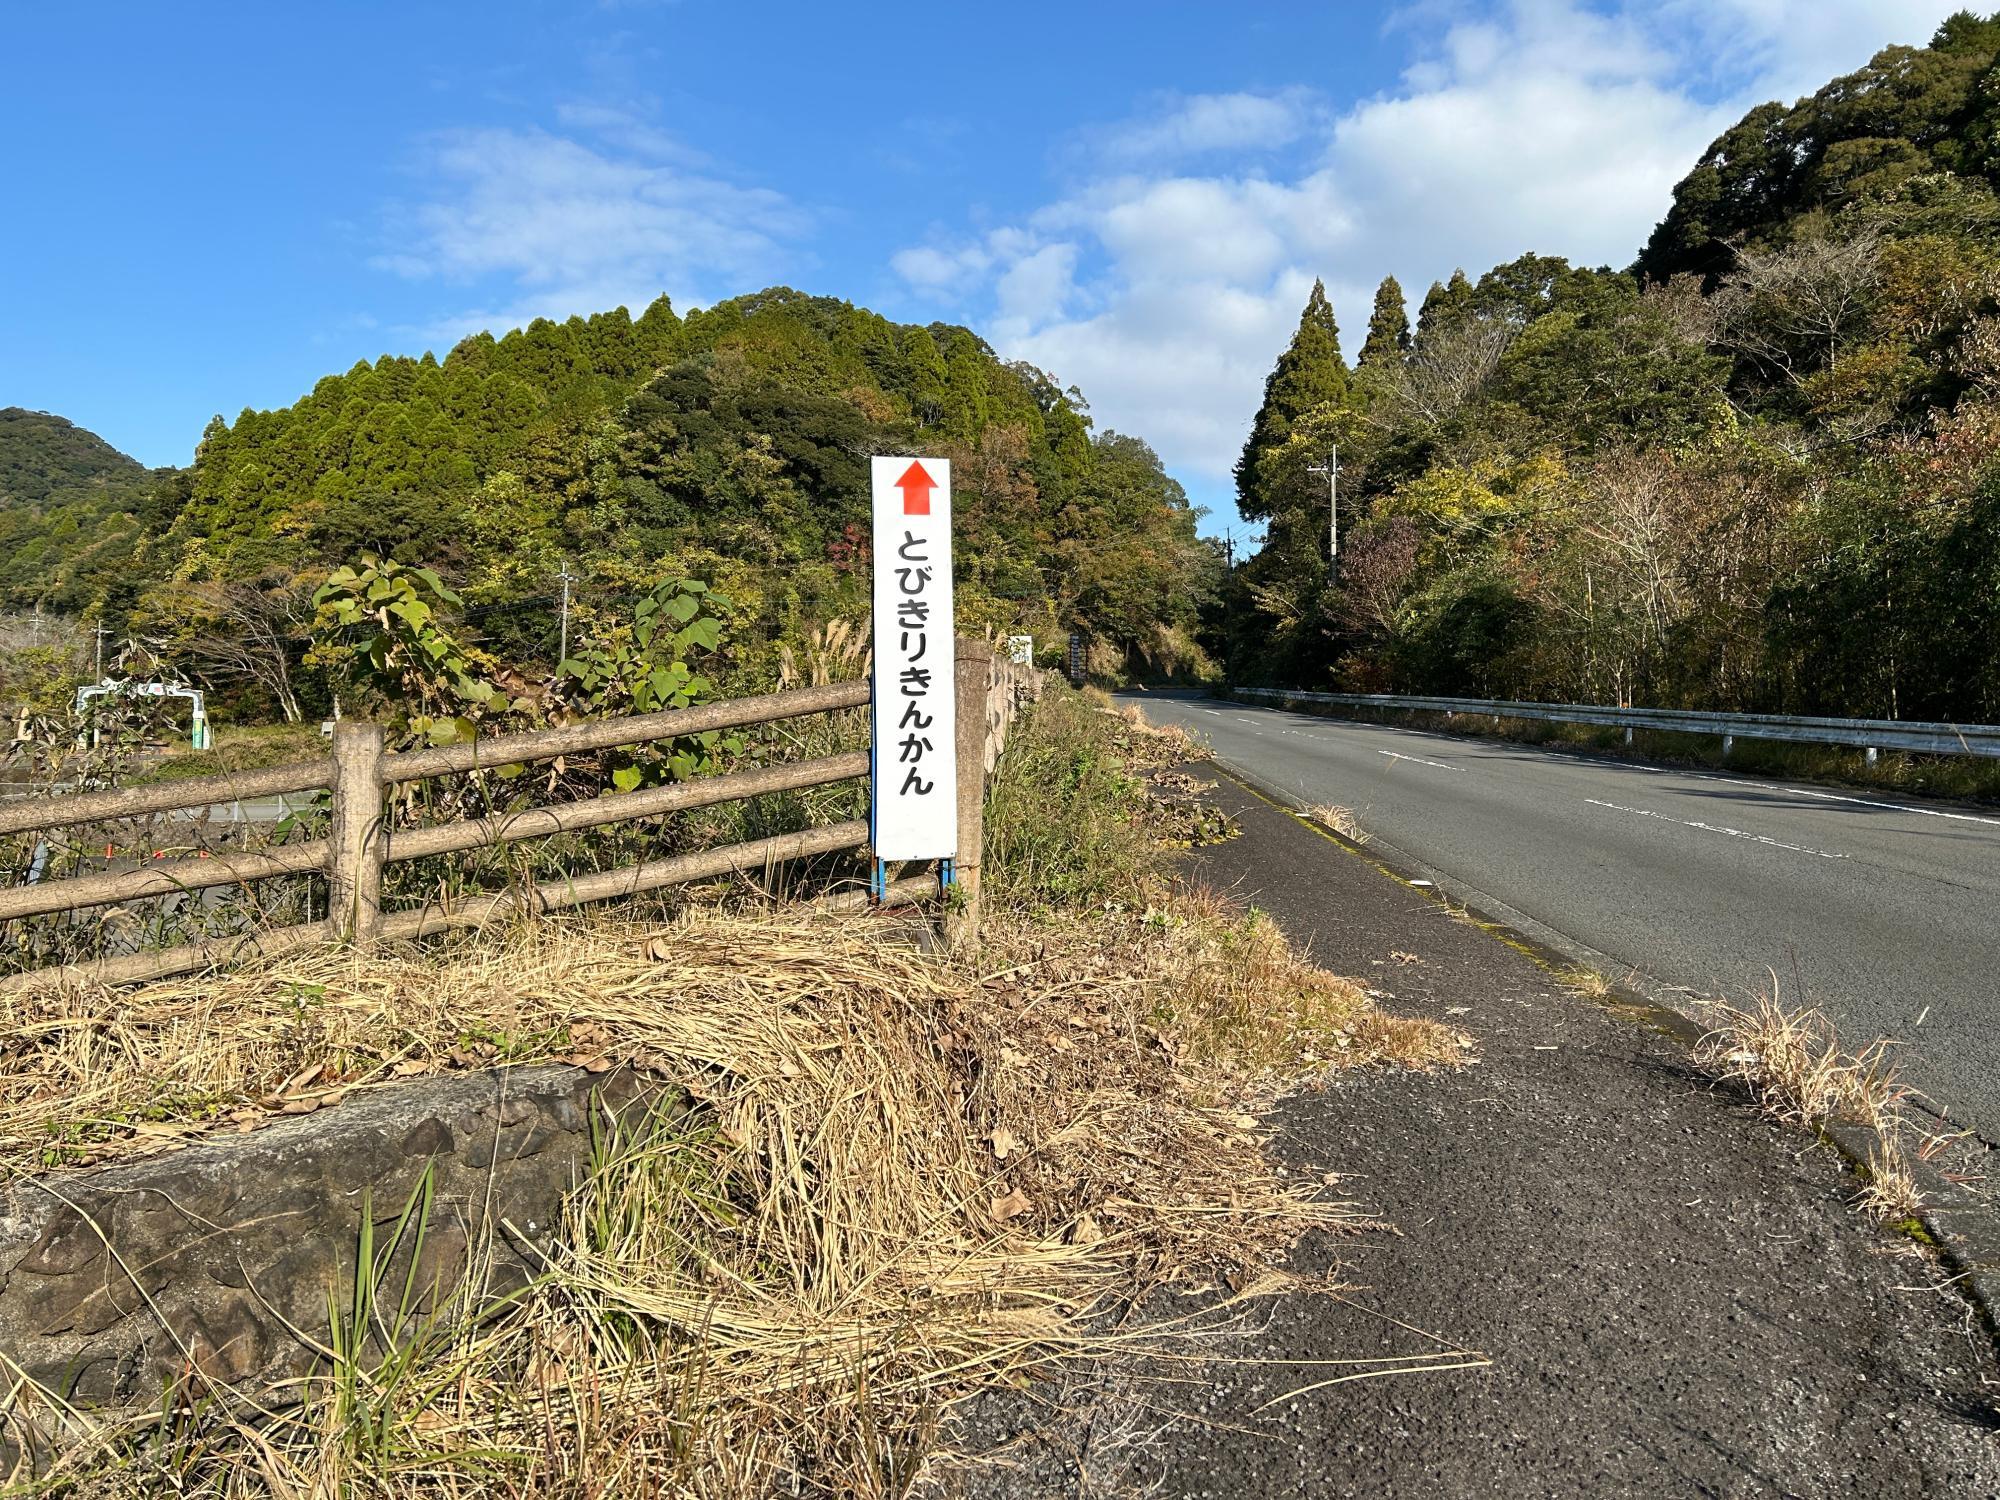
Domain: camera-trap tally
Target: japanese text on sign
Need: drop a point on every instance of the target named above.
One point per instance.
(915, 806)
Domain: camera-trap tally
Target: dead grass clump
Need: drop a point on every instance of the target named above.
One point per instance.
(1890, 1190)
(1144, 743)
(1159, 1039)
(1793, 1062)
(911, 1178)
(1340, 819)
(1585, 983)
(1797, 1069)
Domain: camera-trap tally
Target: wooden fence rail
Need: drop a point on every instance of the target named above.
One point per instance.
(360, 843)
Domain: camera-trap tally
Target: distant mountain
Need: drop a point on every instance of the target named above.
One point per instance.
(42, 455)
(73, 511)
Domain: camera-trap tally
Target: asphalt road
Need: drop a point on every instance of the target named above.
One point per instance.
(1686, 883)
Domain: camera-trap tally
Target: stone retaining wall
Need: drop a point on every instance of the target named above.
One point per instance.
(114, 1280)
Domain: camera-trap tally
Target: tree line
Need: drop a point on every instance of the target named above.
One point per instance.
(729, 446)
(1759, 470)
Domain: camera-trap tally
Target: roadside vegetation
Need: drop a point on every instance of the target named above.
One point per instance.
(906, 1178)
(388, 643)
(1969, 778)
(1794, 1064)
(1754, 471)
(1338, 819)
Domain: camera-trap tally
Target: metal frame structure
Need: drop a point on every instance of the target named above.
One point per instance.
(197, 730)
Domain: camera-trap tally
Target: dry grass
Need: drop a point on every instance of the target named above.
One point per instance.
(1890, 1191)
(1145, 743)
(1795, 1065)
(910, 1178)
(1793, 1061)
(1340, 819)
(1585, 983)
(916, 1177)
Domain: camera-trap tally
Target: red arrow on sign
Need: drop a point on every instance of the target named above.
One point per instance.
(916, 486)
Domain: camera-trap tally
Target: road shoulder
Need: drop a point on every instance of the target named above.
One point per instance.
(1673, 1294)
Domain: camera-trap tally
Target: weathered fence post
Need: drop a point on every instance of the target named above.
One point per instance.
(355, 846)
(972, 689)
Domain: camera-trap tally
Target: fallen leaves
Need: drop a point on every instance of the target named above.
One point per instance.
(1012, 1206)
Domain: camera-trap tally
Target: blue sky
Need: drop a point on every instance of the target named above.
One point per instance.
(208, 207)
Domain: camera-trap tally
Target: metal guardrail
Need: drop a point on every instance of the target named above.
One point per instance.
(1862, 734)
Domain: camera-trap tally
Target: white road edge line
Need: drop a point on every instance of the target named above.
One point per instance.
(1778, 787)
(1735, 833)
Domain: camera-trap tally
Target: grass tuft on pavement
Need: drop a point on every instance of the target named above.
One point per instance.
(1800, 1072)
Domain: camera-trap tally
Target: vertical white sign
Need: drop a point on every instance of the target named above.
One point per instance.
(916, 761)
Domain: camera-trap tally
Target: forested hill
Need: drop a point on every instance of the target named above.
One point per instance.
(1760, 470)
(72, 510)
(43, 456)
(732, 443)
(729, 445)
(1922, 120)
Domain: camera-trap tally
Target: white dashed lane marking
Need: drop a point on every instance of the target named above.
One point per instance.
(1735, 833)
(1419, 760)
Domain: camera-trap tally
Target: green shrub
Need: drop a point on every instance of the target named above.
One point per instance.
(1063, 824)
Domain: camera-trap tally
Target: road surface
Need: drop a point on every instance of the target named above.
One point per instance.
(1884, 910)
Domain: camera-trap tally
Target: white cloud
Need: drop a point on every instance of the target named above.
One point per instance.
(1784, 49)
(1192, 125)
(614, 212)
(1035, 290)
(1165, 290)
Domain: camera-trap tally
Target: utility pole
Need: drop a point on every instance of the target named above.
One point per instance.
(1229, 549)
(101, 633)
(562, 651)
(1331, 469)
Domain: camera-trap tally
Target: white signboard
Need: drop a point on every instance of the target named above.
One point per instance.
(916, 764)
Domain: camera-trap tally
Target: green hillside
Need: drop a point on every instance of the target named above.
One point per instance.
(73, 511)
(731, 445)
(43, 456)
(1760, 470)
(1917, 121)
(736, 438)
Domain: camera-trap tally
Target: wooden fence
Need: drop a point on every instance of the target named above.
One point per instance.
(360, 842)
